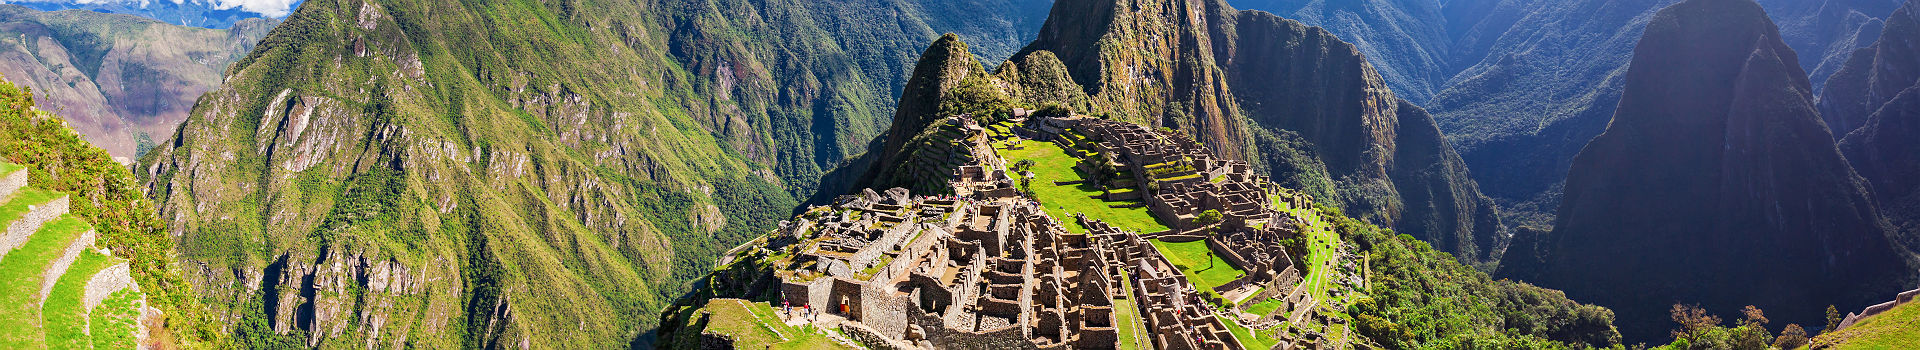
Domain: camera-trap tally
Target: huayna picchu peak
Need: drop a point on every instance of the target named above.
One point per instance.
(961, 174)
(1716, 184)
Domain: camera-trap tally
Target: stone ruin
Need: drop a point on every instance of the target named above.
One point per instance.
(987, 268)
(953, 272)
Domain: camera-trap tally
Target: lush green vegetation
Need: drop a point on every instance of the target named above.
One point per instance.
(1895, 329)
(756, 326)
(1265, 306)
(115, 320)
(20, 279)
(105, 194)
(64, 315)
(1421, 297)
(1198, 262)
(1322, 245)
(16, 206)
(1051, 163)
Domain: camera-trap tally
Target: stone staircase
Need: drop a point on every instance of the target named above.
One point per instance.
(57, 290)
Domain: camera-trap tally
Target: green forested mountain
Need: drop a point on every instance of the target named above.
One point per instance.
(123, 81)
(507, 173)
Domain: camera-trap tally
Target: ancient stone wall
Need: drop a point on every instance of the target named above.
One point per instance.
(59, 265)
(1902, 299)
(886, 312)
(1009, 338)
(19, 230)
(10, 183)
(105, 283)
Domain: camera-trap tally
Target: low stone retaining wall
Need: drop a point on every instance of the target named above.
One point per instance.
(1179, 238)
(10, 183)
(19, 230)
(105, 283)
(1902, 299)
(871, 338)
(60, 265)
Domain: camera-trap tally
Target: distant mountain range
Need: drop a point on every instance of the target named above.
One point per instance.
(1520, 86)
(216, 14)
(122, 81)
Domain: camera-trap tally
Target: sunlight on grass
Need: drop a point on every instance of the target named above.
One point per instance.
(1191, 258)
(1051, 163)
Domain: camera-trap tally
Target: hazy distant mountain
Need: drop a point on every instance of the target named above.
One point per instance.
(1879, 90)
(123, 81)
(217, 14)
(1715, 183)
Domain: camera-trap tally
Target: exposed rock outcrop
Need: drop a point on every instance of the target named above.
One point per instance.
(1716, 183)
(1875, 74)
(1885, 79)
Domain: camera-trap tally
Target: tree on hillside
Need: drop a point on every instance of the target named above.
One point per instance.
(1791, 338)
(1833, 319)
(978, 97)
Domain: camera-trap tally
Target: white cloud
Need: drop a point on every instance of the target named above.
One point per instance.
(269, 8)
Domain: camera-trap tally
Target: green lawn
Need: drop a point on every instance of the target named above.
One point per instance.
(1191, 258)
(1895, 329)
(1127, 322)
(1321, 244)
(20, 281)
(1249, 338)
(65, 314)
(756, 326)
(8, 168)
(115, 320)
(1127, 318)
(17, 206)
(1051, 163)
(1265, 306)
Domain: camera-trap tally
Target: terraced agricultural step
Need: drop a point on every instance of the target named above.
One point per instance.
(65, 311)
(25, 213)
(27, 272)
(13, 177)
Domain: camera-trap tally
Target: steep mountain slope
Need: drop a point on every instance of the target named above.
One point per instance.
(1715, 183)
(104, 194)
(1520, 85)
(1885, 149)
(1293, 99)
(450, 173)
(1826, 32)
(1874, 75)
(1406, 40)
(123, 81)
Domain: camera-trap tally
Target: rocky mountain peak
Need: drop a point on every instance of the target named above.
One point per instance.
(1716, 183)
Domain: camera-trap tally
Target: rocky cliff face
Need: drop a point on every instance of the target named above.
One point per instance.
(1294, 99)
(123, 81)
(1406, 40)
(1884, 149)
(1716, 183)
(1874, 75)
(1825, 32)
(445, 173)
